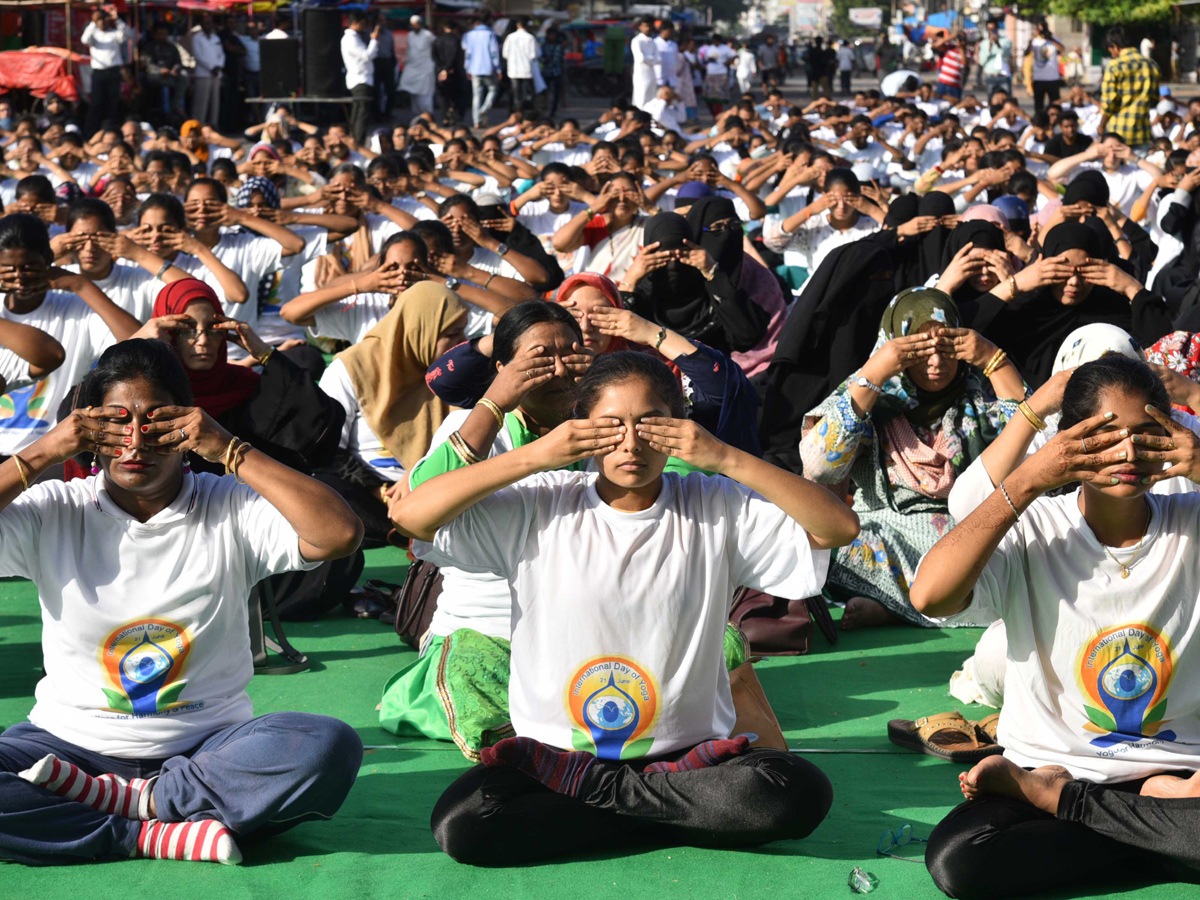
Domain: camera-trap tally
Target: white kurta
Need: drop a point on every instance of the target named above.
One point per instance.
(419, 77)
(645, 58)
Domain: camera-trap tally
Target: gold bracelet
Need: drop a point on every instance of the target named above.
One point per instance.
(463, 450)
(239, 456)
(494, 408)
(1034, 420)
(266, 356)
(994, 363)
(233, 442)
(1012, 286)
(21, 465)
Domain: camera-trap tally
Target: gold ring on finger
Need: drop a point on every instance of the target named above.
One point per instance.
(910, 355)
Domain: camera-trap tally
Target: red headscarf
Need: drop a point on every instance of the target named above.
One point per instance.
(604, 285)
(221, 388)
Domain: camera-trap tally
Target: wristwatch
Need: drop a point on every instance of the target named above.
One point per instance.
(452, 282)
(502, 249)
(870, 386)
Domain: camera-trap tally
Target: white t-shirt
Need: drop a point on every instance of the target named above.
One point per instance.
(479, 320)
(1125, 185)
(350, 319)
(357, 436)
(285, 286)
(809, 244)
(1093, 657)
(1045, 60)
(619, 618)
(130, 287)
(252, 257)
(30, 408)
(145, 636)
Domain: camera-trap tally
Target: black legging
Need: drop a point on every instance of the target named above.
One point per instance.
(1044, 91)
(502, 817)
(1000, 847)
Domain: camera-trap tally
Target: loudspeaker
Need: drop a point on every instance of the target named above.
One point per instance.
(323, 72)
(280, 67)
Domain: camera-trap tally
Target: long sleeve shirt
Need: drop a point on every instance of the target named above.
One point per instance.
(481, 51)
(107, 47)
(358, 57)
(209, 53)
(520, 50)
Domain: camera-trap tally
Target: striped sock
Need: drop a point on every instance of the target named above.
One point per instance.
(710, 753)
(559, 770)
(107, 793)
(204, 841)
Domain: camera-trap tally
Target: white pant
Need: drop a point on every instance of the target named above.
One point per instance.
(981, 679)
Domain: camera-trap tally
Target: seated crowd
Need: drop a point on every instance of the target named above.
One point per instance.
(932, 363)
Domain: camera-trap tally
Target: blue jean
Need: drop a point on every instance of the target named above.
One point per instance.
(993, 83)
(262, 777)
(480, 103)
(948, 90)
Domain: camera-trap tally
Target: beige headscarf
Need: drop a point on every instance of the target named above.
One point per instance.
(387, 368)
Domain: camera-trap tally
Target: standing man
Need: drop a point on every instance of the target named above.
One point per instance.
(768, 61)
(520, 51)
(206, 79)
(385, 71)
(553, 67)
(481, 59)
(845, 58)
(996, 59)
(105, 36)
(358, 56)
(1129, 88)
(645, 59)
(1047, 79)
(667, 69)
(419, 78)
(247, 33)
(164, 70)
(822, 69)
(448, 60)
(952, 67)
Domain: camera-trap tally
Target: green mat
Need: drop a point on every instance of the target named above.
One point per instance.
(837, 698)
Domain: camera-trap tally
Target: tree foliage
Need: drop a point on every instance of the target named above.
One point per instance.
(1110, 12)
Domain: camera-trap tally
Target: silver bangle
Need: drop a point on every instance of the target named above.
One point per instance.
(166, 265)
(1011, 506)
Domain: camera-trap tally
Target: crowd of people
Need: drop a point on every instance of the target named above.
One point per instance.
(928, 356)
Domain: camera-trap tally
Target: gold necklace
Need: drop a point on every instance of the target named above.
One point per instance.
(1125, 567)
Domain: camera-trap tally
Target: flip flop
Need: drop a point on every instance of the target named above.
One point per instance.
(947, 736)
(986, 727)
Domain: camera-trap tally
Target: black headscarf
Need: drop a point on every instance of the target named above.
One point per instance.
(1033, 327)
(675, 294)
(1088, 185)
(927, 260)
(725, 247)
(829, 333)
(903, 209)
(983, 235)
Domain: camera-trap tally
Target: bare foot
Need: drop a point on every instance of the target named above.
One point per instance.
(1171, 787)
(996, 775)
(863, 612)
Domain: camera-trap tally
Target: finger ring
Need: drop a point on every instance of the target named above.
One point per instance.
(182, 435)
(1171, 446)
(909, 355)
(93, 437)
(1083, 443)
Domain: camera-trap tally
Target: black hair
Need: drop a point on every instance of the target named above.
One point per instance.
(385, 164)
(555, 168)
(435, 234)
(401, 237)
(357, 16)
(169, 204)
(622, 366)
(217, 188)
(72, 138)
(999, 134)
(1114, 136)
(225, 165)
(1177, 159)
(1081, 397)
(22, 231)
(845, 177)
(604, 145)
(1040, 119)
(1012, 155)
(180, 162)
(91, 208)
(161, 156)
(39, 186)
(520, 318)
(701, 156)
(422, 156)
(1115, 37)
(456, 201)
(132, 360)
(861, 120)
(1023, 182)
(1068, 114)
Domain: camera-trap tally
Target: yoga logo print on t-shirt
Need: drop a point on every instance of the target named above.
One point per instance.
(1125, 673)
(144, 662)
(613, 703)
(25, 408)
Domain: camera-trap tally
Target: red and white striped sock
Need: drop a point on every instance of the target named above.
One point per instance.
(107, 793)
(204, 841)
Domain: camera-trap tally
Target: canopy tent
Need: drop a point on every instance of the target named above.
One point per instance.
(41, 70)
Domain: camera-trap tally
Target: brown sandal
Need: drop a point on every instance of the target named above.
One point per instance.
(947, 736)
(987, 728)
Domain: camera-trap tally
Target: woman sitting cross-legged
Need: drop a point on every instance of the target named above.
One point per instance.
(931, 397)
(621, 583)
(1098, 589)
(142, 741)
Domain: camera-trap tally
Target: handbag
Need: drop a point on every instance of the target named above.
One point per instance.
(776, 626)
(416, 601)
(754, 713)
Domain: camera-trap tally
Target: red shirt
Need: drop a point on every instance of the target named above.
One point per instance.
(952, 68)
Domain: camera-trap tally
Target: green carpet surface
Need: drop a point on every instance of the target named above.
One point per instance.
(838, 698)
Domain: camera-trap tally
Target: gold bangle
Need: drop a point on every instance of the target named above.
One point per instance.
(994, 363)
(1012, 286)
(233, 442)
(21, 464)
(266, 356)
(494, 408)
(239, 456)
(1034, 420)
(463, 450)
